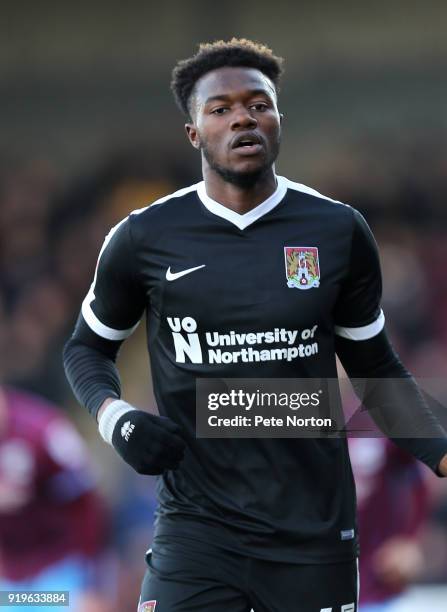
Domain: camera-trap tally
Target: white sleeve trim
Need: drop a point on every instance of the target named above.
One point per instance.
(110, 417)
(99, 328)
(362, 333)
(109, 333)
(90, 318)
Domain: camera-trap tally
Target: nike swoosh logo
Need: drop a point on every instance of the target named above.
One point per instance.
(171, 276)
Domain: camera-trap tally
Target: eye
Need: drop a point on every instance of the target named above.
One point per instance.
(259, 106)
(219, 111)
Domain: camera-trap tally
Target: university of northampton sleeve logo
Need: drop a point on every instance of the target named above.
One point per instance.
(302, 267)
(148, 606)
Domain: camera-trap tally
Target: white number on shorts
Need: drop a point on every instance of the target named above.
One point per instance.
(346, 608)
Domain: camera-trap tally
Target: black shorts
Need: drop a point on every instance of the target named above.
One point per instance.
(185, 575)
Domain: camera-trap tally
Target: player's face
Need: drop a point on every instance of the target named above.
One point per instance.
(237, 125)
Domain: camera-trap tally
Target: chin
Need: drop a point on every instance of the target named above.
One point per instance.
(245, 178)
(244, 175)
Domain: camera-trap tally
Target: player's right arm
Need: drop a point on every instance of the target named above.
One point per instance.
(386, 388)
(110, 313)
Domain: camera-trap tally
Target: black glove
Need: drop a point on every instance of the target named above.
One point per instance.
(150, 444)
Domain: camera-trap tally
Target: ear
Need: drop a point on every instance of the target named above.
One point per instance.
(193, 135)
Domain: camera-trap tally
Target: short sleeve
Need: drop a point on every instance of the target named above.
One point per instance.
(115, 302)
(358, 315)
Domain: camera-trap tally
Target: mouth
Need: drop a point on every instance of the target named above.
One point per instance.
(247, 144)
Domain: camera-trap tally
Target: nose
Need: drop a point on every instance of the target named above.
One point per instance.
(243, 119)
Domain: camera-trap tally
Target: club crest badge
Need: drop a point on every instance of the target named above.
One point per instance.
(148, 606)
(302, 267)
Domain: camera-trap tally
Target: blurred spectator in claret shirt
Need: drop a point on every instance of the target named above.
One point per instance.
(393, 504)
(52, 521)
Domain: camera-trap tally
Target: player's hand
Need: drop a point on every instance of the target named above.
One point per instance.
(150, 444)
(398, 562)
(442, 468)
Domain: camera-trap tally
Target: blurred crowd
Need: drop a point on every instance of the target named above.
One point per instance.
(50, 234)
(52, 227)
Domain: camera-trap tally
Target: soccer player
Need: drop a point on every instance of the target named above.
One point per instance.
(247, 257)
(52, 519)
(393, 504)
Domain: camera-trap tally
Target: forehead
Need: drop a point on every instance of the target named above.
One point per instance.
(231, 81)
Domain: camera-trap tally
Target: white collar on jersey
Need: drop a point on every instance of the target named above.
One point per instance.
(243, 221)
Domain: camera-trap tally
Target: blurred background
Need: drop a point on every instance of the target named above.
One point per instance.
(89, 131)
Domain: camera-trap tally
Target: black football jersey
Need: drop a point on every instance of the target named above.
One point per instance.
(224, 293)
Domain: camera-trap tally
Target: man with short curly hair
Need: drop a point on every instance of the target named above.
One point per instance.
(191, 75)
(220, 54)
(244, 275)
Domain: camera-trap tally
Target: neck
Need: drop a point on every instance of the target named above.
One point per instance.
(241, 199)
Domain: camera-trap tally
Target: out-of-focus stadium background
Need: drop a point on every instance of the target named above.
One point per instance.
(89, 131)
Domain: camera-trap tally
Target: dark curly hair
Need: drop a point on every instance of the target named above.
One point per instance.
(236, 52)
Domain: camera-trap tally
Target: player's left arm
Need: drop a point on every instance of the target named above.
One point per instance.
(387, 389)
